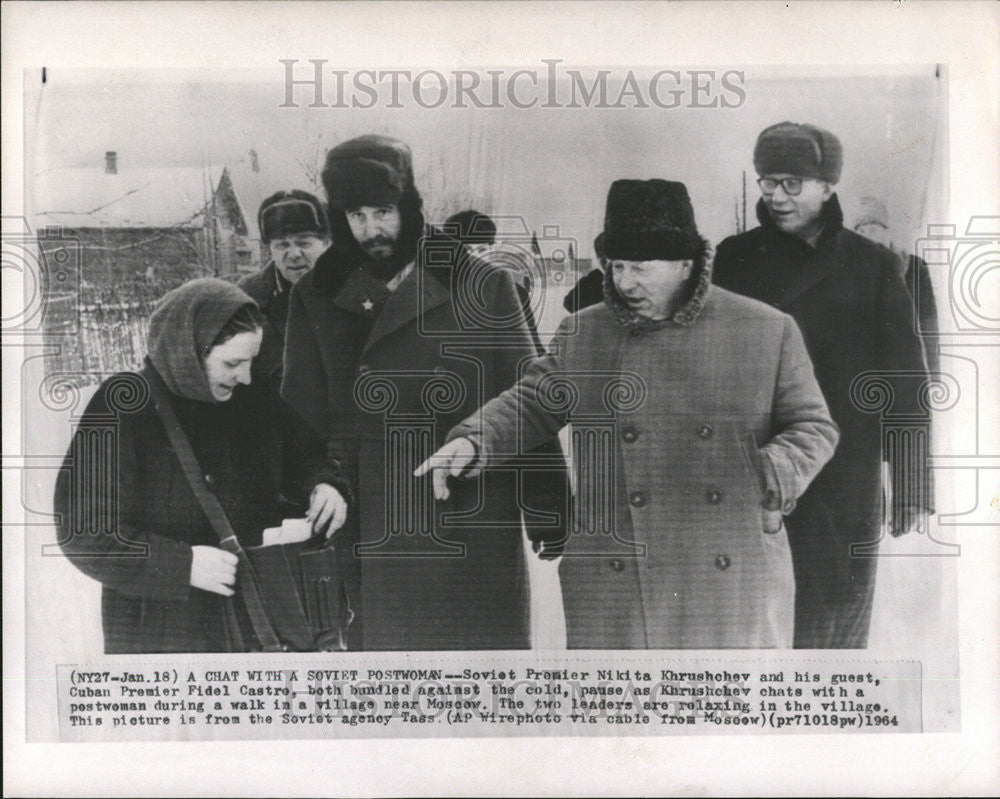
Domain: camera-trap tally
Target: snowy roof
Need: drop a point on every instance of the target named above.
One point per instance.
(147, 197)
(250, 191)
(252, 187)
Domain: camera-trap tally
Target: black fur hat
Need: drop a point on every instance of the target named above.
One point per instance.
(649, 220)
(286, 213)
(369, 170)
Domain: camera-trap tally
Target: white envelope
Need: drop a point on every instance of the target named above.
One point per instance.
(291, 532)
(295, 530)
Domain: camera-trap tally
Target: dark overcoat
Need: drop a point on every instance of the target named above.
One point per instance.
(128, 518)
(674, 425)
(272, 299)
(848, 297)
(383, 376)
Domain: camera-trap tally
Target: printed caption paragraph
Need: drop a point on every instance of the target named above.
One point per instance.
(572, 697)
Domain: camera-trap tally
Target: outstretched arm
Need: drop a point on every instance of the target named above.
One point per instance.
(511, 423)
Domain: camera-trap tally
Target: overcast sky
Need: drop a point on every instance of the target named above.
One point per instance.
(550, 165)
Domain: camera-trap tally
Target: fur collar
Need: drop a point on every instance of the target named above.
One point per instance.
(697, 291)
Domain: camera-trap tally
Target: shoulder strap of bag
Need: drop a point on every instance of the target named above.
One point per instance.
(216, 516)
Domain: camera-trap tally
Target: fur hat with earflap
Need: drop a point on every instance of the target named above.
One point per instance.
(370, 170)
(802, 150)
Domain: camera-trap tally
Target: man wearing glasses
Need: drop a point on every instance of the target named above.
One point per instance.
(849, 299)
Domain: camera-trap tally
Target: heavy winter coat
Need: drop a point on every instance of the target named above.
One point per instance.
(384, 376)
(271, 297)
(856, 316)
(128, 518)
(679, 427)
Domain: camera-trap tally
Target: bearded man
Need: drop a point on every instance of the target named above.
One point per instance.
(396, 335)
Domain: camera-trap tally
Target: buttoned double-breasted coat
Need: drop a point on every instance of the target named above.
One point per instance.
(676, 428)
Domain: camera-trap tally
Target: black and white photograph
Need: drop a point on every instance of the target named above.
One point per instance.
(502, 384)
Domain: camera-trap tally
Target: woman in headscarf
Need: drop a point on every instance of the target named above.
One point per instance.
(128, 516)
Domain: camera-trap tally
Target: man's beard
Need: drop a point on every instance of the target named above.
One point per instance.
(385, 257)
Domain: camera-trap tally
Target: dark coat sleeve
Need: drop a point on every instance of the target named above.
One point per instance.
(903, 358)
(524, 297)
(304, 385)
(517, 345)
(918, 283)
(308, 461)
(98, 509)
(545, 487)
(494, 427)
(589, 290)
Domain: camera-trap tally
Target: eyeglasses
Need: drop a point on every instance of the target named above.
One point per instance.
(791, 186)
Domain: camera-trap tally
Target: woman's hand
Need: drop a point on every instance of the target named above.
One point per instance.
(327, 508)
(453, 458)
(213, 569)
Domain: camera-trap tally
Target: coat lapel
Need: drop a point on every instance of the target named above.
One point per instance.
(819, 265)
(419, 292)
(324, 324)
(362, 294)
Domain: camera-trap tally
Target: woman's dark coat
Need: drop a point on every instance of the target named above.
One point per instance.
(128, 517)
(849, 299)
(384, 377)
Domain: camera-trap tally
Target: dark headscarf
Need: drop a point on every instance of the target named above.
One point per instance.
(182, 329)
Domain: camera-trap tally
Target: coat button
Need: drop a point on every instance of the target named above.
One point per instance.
(617, 565)
(714, 496)
(705, 431)
(210, 479)
(637, 499)
(630, 434)
(722, 562)
(364, 369)
(789, 506)
(771, 500)
(635, 332)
